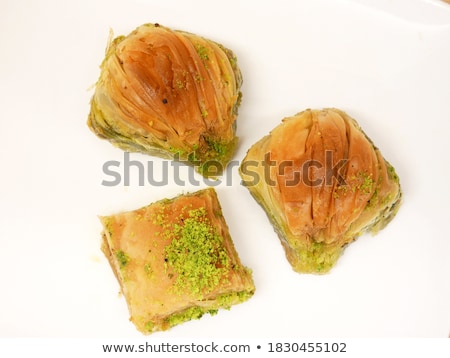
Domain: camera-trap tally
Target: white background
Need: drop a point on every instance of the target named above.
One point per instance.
(386, 63)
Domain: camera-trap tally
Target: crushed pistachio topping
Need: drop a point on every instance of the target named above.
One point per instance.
(148, 270)
(198, 77)
(108, 226)
(340, 190)
(367, 183)
(196, 254)
(202, 52)
(180, 84)
(362, 182)
(220, 149)
(149, 326)
(187, 315)
(122, 258)
(319, 256)
(196, 312)
(391, 172)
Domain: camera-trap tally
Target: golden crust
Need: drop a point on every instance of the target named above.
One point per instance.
(167, 92)
(326, 184)
(136, 244)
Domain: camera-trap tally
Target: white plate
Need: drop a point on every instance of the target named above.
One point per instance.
(386, 63)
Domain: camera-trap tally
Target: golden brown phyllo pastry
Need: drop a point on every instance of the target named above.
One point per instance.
(322, 183)
(175, 261)
(171, 94)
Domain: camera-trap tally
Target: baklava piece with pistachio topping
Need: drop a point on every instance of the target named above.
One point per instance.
(322, 183)
(175, 261)
(171, 94)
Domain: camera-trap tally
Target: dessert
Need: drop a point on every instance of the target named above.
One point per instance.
(171, 94)
(322, 183)
(175, 261)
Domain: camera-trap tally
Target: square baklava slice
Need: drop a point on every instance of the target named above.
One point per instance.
(175, 260)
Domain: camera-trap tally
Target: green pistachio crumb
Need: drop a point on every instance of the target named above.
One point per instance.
(148, 270)
(122, 258)
(196, 254)
(367, 183)
(180, 84)
(198, 77)
(149, 326)
(196, 312)
(186, 315)
(362, 182)
(108, 226)
(391, 172)
(202, 52)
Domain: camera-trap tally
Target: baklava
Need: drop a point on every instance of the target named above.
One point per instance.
(322, 183)
(175, 260)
